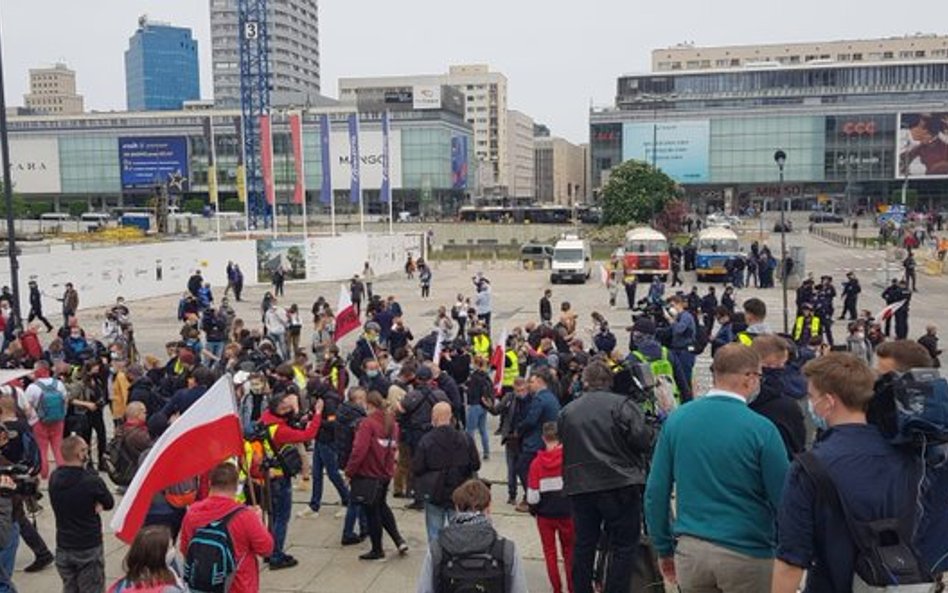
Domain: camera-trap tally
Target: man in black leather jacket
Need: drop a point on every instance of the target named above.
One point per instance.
(606, 444)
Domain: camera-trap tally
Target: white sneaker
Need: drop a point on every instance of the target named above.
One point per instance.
(340, 513)
(307, 513)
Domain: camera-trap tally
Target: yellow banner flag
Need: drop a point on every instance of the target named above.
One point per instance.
(242, 183)
(212, 184)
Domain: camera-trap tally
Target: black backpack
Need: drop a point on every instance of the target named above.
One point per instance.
(209, 564)
(701, 338)
(885, 556)
(474, 572)
(121, 465)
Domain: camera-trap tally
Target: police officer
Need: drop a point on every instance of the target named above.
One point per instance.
(825, 295)
(807, 325)
(901, 315)
(891, 295)
(851, 290)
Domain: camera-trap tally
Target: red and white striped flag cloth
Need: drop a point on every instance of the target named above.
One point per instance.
(346, 317)
(206, 434)
(889, 310)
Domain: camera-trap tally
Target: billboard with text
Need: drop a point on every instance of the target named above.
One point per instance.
(922, 145)
(370, 157)
(150, 160)
(34, 165)
(679, 148)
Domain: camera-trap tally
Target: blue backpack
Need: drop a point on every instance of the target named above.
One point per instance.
(209, 564)
(52, 402)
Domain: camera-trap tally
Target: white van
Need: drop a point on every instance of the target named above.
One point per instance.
(96, 218)
(572, 260)
(55, 217)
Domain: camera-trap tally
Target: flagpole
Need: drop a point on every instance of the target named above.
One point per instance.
(213, 170)
(242, 179)
(303, 173)
(387, 123)
(273, 207)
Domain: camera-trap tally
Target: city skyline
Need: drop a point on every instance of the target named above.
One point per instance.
(557, 61)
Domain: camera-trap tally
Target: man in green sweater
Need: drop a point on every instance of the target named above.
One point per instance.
(727, 466)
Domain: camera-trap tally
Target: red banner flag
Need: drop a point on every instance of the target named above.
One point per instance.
(266, 159)
(346, 317)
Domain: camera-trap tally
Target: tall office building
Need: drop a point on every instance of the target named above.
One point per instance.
(560, 171)
(53, 91)
(485, 106)
(521, 155)
(293, 31)
(161, 67)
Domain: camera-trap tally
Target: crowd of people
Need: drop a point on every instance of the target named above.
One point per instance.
(596, 438)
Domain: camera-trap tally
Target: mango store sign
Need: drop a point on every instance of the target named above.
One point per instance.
(370, 157)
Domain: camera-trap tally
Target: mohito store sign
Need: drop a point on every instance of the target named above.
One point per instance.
(858, 128)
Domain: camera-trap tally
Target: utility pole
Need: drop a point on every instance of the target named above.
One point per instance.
(8, 200)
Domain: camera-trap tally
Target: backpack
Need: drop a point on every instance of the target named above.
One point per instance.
(475, 572)
(911, 410)
(885, 561)
(665, 389)
(209, 563)
(121, 465)
(52, 403)
(183, 493)
(701, 339)
(31, 452)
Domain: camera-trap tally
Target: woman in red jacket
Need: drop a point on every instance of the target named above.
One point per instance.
(370, 470)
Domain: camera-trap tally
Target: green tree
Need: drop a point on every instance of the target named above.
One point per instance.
(635, 192)
(21, 209)
(232, 205)
(194, 206)
(77, 209)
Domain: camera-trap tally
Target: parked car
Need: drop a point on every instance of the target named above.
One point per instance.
(721, 219)
(786, 227)
(538, 255)
(818, 217)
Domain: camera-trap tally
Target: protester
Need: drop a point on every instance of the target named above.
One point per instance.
(146, 565)
(543, 407)
(726, 465)
(548, 502)
(78, 497)
(470, 535)
(774, 401)
(372, 465)
(444, 459)
(248, 535)
(46, 397)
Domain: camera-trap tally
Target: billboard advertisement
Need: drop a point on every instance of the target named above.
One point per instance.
(426, 96)
(922, 145)
(370, 159)
(147, 160)
(34, 165)
(681, 150)
(459, 162)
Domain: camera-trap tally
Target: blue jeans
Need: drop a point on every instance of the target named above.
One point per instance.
(281, 500)
(8, 559)
(477, 421)
(353, 512)
(684, 363)
(326, 456)
(215, 348)
(436, 517)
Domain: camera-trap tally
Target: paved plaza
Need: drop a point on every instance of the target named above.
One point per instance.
(324, 565)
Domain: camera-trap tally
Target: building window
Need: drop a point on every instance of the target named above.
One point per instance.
(887, 55)
(920, 53)
(905, 54)
(857, 57)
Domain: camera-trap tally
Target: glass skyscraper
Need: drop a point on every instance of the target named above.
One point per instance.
(161, 67)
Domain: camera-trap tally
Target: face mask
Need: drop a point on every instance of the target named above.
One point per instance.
(372, 374)
(818, 420)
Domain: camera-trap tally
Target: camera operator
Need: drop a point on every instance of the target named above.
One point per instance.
(18, 447)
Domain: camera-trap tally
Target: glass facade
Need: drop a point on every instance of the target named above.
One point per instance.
(161, 68)
(742, 149)
(89, 164)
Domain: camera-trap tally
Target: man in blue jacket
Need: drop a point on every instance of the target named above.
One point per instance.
(543, 408)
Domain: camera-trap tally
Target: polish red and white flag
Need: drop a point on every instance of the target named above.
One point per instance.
(205, 435)
(497, 360)
(889, 310)
(346, 317)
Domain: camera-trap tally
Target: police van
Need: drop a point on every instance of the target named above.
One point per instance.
(572, 260)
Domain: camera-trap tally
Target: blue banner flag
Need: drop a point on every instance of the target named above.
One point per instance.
(355, 186)
(325, 193)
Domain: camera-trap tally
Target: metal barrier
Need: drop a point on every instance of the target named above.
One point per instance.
(847, 239)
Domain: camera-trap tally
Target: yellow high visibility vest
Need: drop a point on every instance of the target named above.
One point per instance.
(511, 372)
(481, 344)
(798, 327)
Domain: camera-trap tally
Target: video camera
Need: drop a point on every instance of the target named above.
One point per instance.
(26, 484)
(911, 408)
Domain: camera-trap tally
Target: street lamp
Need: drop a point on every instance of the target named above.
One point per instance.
(780, 157)
(8, 201)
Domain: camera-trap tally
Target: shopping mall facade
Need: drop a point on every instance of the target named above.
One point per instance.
(855, 134)
(117, 159)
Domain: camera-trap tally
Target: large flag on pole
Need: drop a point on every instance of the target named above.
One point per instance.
(346, 317)
(325, 194)
(266, 159)
(889, 310)
(205, 435)
(296, 139)
(497, 360)
(355, 179)
(241, 168)
(386, 191)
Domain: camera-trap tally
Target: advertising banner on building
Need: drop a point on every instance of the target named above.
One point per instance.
(296, 139)
(679, 148)
(922, 145)
(150, 160)
(266, 159)
(370, 159)
(325, 192)
(426, 96)
(386, 190)
(355, 164)
(34, 165)
(288, 255)
(459, 162)
(241, 169)
(211, 166)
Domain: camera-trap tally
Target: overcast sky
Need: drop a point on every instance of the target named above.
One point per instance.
(558, 56)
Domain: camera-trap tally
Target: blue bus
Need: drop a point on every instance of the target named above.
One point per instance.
(716, 245)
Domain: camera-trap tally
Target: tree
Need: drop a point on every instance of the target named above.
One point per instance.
(635, 192)
(672, 217)
(21, 209)
(193, 206)
(232, 205)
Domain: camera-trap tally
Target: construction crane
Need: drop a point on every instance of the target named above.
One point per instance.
(254, 99)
